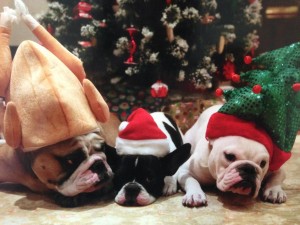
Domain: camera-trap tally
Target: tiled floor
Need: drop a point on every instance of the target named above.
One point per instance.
(18, 206)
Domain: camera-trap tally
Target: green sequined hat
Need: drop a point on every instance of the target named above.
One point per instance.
(271, 96)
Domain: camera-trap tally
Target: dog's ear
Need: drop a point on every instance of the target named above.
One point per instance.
(211, 143)
(113, 159)
(175, 159)
(174, 131)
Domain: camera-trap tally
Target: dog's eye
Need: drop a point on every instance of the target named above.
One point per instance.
(262, 164)
(230, 157)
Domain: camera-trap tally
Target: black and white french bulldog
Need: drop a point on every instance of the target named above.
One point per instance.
(139, 177)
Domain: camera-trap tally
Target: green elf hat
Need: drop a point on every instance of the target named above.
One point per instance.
(270, 102)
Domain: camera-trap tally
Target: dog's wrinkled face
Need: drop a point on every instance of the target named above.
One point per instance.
(238, 164)
(139, 180)
(74, 166)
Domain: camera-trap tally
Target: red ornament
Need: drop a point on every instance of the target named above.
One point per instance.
(219, 92)
(251, 1)
(247, 59)
(132, 49)
(168, 2)
(159, 89)
(85, 44)
(236, 78)
(103, 24)
(228, 69)
(256, 89)
(82, 10)
(296, 87)
(82, 15)
(83, 6)
(50, 29)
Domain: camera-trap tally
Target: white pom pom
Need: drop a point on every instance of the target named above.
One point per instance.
(123, 125)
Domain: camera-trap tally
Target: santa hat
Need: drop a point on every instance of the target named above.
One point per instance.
(266, 109)
(141, 135)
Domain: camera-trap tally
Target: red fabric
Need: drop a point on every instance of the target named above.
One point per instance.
(221, 125)
(141, 126)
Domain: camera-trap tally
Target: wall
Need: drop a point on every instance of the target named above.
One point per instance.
(20, 31)
(281, 30)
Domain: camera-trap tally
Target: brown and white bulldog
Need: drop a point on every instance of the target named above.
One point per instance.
(70, 170)
(232, 163)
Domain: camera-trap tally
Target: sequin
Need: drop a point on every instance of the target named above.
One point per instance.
(277, 107)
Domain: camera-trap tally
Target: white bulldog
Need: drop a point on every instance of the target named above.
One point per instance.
(234, 163)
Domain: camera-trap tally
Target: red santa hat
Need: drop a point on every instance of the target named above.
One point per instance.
(141, 135)
(221, 124)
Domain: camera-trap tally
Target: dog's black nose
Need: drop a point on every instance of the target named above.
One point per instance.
(98, 167)
(247, 169)
(131, 192)
(132, 189)
(248, 173)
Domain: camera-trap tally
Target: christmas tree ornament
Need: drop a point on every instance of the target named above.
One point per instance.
(236, 78)
(273, 104)
(247, 59)
(228, 69)
(50, 29)
(82, 7)
(82, 15)
(207, 19)
(85, 44)
(93, 41)
(103, 24)
(132, 49)
(82, 11)
(159, 89)
(170, 33)
(221, 44)
(116, 7)
(168, 2)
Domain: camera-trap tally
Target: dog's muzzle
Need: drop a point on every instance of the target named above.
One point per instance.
(248, 173)
(131, 192)
(100, 169)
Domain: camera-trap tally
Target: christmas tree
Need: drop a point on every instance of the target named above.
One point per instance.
(84, 28)
(149, 40)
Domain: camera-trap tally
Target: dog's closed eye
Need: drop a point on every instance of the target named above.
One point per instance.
(229, 157)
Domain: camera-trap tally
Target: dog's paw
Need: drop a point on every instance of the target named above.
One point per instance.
(193, 199)
(274, 194)
(170, 186)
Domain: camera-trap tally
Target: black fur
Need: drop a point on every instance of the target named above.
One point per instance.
(149, 171)
(248, 174)
(174, 133)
